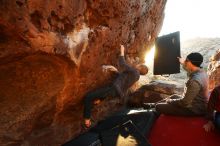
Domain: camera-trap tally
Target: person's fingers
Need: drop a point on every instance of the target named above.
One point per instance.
(181, 60)
(209, 127)
(206, 128)
(104, 68)
(122, 47)
(96, 102)
(87, 122)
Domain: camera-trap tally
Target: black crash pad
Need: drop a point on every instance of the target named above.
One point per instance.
(86, 139)
(167, 49)
(124, 134)
(139, 123)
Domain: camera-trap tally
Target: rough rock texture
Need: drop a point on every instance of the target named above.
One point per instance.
(159, 89)
(214, 70)
(51, 54)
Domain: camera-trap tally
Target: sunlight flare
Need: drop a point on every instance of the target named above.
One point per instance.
(149, 58)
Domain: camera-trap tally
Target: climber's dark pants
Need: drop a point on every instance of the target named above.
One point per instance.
(217, 120)
(102, 93)
(169, 109)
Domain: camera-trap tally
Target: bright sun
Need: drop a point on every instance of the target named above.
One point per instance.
(149, 57)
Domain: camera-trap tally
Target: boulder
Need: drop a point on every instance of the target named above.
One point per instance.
(51, 53)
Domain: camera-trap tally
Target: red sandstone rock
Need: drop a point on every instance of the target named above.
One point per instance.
(214, 70)
(51, 54)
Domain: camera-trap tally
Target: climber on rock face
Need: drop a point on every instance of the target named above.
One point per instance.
(126, 77)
